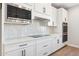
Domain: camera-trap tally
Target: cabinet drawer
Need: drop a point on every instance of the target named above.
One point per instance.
(43, 48)
(43, 52)
(43, 44)
(11, 47)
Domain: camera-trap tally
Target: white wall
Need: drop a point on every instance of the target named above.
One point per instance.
(73, 32)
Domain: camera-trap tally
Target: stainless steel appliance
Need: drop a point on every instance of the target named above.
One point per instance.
(15, 12)
(65, 32)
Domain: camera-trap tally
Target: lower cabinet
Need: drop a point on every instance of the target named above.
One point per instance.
(53, 44)
(18, 52)
(20, 49)
(42, 47)
(28, 51)
(56, 43)
(60, 43)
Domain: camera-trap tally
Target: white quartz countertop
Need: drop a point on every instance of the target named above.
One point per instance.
(26, 39)
(18, 40)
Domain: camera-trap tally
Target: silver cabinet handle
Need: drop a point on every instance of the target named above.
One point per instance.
(23, 45)
(22, 52)
(58, 41)
(45, 45)
(44, 9)
(45, 53)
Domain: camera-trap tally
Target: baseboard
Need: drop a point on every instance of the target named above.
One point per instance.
(73, 45)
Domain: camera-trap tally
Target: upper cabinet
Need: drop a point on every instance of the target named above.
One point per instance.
(46, 11)
(53, 17)
(38, 7)
(63, 14)
(43, 8)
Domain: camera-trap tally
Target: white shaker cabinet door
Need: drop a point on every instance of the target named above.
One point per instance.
(53, 44)
(43, 48)
(53, 14)
(30, 51)
(48, 8)
(18, 52)
(38, 7)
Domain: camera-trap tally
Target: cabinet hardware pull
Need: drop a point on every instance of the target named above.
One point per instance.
(45, 53)
(58, 41)
(45, 45)
(23, 45)
(44, 10)
(22, 52)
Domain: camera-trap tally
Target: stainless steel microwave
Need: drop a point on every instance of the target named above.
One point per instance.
(18, 13)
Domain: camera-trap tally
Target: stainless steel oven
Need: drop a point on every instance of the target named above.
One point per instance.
(65, 32)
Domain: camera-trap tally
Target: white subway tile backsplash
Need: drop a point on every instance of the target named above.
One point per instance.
(10, 32)
(13, 31)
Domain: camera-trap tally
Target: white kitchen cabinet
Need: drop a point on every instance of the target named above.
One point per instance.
(38, 7)
(63, 15)
(20, 49)
(56, 43)
(53, 19)
(48, 8)
(30, 51)
(53, 44)
(60, 43)
(18, 52)
(44, 8)
(43, 48)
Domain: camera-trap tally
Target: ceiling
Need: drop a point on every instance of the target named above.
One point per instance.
(64, 5)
